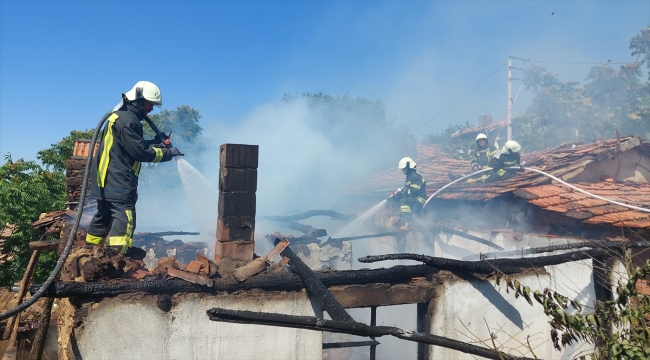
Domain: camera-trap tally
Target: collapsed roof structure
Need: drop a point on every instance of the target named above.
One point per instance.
(203, 309)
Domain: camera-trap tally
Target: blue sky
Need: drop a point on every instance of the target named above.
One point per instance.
(63, 64)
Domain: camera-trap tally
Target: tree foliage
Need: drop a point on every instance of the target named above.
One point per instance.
(57, 155)
(620, 327)
(26, 190)
(565, 111)
(359, 123)
(183, 123)
(457, 147)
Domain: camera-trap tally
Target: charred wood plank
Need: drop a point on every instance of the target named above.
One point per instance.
(270, 282)
(595, 244)
(43, 245)
(38, 344)
(308, 230)
(352, 328)
(311, 213)
(362, 237)
(467, 236)
(315, 287)
(507, 266)
(338, 345)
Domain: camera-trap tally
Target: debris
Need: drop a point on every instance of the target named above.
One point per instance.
(190, 277)
(194, 267)
(257, 265)
(354, 328)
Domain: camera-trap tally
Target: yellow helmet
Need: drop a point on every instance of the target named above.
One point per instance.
(406, 163)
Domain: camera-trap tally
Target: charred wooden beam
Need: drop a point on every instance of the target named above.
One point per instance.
(315, 287)
(339, 345)
(311, 213)
(467, 236)
(595, 244)
(349, 238)
(356, 296)
(270, 282)
(43, 245)
(352, 328)
(308, 230)
(507, 266)
(38, 344)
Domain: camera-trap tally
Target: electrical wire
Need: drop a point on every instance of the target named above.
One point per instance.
(637, 208)
(462, 97)
(73, 232)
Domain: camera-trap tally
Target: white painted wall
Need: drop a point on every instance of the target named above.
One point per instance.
(118, 329)
(471, 310)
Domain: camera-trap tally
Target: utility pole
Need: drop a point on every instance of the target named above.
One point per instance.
(510, 99)
(509, 137)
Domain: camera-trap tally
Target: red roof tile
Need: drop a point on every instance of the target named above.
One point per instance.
(434, 165)
(591, 210)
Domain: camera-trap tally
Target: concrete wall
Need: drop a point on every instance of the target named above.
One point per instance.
(123, 328)
(470, 308)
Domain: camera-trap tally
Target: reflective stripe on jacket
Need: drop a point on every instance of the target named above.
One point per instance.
(482, 157)
(416, 187)
(122, 150)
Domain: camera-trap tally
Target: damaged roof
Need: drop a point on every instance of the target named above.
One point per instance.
(565, 161)
(559, 198)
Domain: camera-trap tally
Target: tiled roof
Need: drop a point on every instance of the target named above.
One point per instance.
(559, 198)
(564, 161)
(477, 129)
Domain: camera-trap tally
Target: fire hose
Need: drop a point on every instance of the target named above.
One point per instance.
(68, 245)
(547, 175)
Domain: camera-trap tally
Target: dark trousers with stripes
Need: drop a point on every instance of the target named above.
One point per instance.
(115, 219)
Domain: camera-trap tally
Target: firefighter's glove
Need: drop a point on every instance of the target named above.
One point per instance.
(176, 152)
(471, 181)
(157, 140)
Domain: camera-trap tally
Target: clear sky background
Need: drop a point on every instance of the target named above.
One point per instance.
(63, 64)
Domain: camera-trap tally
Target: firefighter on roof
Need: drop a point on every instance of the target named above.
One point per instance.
(116, 167)
(506, 157)
(481, 156)
(414, 193)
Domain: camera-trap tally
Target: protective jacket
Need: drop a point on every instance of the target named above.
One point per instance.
(123, 148)
(414, 193)
(481, 157)
(498, 163)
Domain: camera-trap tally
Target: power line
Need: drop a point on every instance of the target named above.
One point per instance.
(464, 96)
(578, 63)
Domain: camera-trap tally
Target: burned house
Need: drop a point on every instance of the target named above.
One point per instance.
(242, 305)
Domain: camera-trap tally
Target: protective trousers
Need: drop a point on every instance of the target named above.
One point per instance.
(115, 219)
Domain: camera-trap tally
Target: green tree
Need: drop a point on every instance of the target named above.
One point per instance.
(183, 123)
(26, 190)
(58, 154)
(565, 111)
(457, 147)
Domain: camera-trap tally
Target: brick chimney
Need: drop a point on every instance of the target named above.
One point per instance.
(75, 169)
(237, 202)
(484, 120)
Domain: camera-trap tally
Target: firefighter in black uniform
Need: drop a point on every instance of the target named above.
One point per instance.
(116, 167)
(481, 156)
(414, 193)
(506, 157)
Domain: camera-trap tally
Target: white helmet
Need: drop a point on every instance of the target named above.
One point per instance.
(512, 146)
(146, 90)
(406, 163)
(481, 136)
